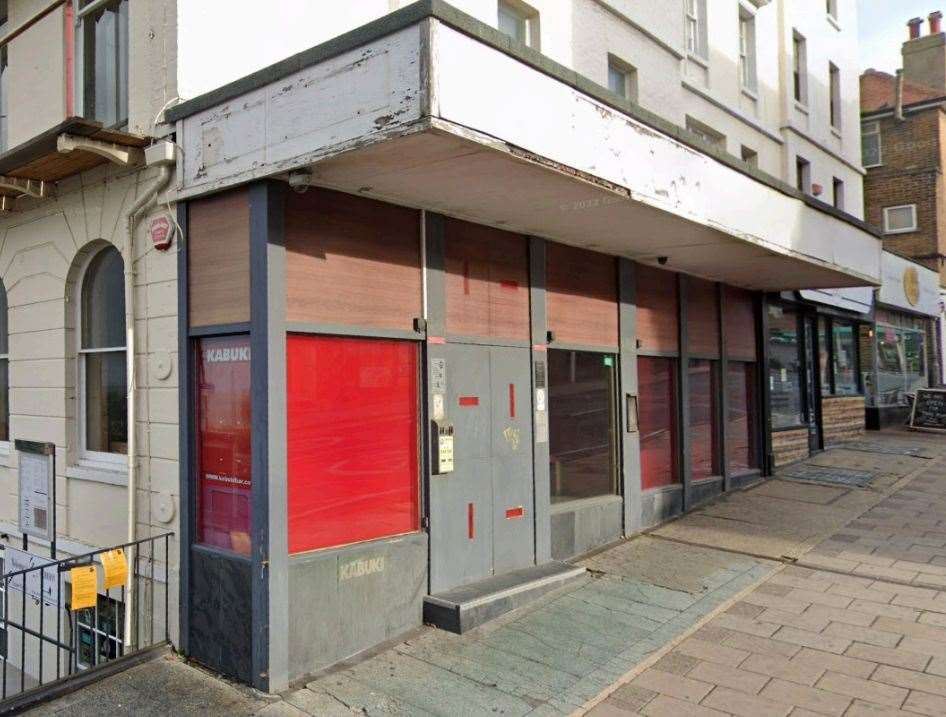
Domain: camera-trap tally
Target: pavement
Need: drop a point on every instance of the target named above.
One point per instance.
(820, 592)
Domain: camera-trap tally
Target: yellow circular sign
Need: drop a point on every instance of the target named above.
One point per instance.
(911, 285)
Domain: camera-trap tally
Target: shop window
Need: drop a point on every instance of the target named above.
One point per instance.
(844, 359)
(4, 366)
(703, 429)
(901, 360)
(914, 354)
(741, 424)
(824, 355)
(582, 424)
(223, 443)
(353, 433)
(102, 357)
(785, 370)
(657, 404)
(104, 35)
(100, 632)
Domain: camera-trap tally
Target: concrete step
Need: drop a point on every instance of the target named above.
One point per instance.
(469, 606)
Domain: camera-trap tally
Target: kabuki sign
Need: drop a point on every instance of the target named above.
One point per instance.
(223, 443)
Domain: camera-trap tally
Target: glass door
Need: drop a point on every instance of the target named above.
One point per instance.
(810, 365)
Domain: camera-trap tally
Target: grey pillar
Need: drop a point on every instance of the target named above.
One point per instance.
(723, 414)
(185, 432)
(630, 439)
(765, 403)
(683, 403)
(540, 449)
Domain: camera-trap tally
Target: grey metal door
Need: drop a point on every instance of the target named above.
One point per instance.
(513, 521)
(481, 520)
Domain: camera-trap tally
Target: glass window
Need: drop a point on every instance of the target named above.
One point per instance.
(741, 432)
(105, 60)
(223, 443)
(800, 68)
(844, 357)
(834, 99)
(582, 424)
(890, 364)
(519, 22)
(622, 79)
(102, 355)
(703, 389)
(101, 632)
(657, 404)
(747, 61)
(353, 426)
(696, 30)
(900, 220)
(871, 153)
(914, 354)
(785, 376)
(824, 355)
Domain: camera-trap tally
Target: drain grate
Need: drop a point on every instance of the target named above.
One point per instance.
(834, 476)
(902, 450)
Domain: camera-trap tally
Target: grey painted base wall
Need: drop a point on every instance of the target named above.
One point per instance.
(660, 505)
(585, 525)
(703, 490)
(345, 601)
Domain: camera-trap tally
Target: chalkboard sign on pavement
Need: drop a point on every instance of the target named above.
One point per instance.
(929, 410)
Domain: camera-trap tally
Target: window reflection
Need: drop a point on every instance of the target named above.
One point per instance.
(657, 401)
(785, 375)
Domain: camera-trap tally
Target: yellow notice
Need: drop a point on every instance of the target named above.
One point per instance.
(116, 569)
(84, 589)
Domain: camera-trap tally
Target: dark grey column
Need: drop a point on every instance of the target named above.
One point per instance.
(185, 368)
(683, 404)
(630, 437)
(436, 282)
(765, 403)
(269, 515)
(540, 447)
(723, 413)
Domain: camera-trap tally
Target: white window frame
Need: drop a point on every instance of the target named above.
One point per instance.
(525, 16)
(832, 9)
(837, 193)
(802, 175)
(906, 230)
(748, 73)
(99, 635)
(800, 68)
(872, 129)
(694, 12)
(89, 458)
(834, 96)
(628, 74)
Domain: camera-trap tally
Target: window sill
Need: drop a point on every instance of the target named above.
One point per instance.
(98, 472)
(836, 131)
(872, 166)
(801, 107)
(889, 232)
(833, 22)
(701, 61)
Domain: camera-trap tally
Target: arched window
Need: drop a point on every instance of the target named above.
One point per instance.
(4, 367)
(102, 370)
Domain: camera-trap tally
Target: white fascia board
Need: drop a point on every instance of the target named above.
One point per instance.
(476, 86)
(893, 292)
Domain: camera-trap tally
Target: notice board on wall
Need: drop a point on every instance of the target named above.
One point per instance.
(929, 410)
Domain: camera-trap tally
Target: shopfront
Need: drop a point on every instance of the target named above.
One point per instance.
(901, 351)
(815, 370)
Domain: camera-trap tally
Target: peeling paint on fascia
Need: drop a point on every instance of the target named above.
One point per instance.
(521, 153)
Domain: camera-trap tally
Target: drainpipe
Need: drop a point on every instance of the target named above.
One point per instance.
(164, 160)
(898, 111)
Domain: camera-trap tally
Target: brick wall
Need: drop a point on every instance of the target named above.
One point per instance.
(911, 173)
(842, 419)
(789, 446)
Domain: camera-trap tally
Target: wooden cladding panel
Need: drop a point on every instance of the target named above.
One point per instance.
(739, 318)
(657, 310)
(842, 419)
(702, 318)
(487, 281)
(582, 296)
(351, 261)
(790, 446)
(218, 251)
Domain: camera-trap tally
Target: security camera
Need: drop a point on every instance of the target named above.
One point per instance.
(299, 181)
(662, 260)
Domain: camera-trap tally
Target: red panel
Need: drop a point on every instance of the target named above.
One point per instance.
(512, 400)
(223, 443)
(657, 404)
(471, 521)
(468, 401)
(352, 432)
(516, 512)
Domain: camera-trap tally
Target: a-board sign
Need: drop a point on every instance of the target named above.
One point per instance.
(37, 475)
(929, 410)
(43, 582)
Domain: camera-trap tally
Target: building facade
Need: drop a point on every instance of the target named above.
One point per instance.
(460, 292)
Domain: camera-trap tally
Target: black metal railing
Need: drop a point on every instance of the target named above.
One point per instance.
(42, 640)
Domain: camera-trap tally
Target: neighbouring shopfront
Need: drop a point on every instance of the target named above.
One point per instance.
(901, 353)
(815, 378)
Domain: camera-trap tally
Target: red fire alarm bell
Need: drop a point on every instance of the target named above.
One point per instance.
(162, 233)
